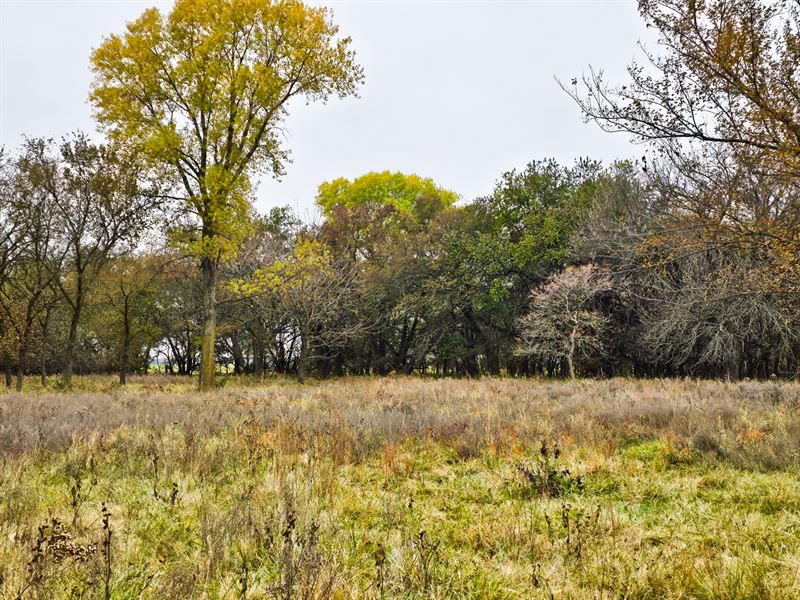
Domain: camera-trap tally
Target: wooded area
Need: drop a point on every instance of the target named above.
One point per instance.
(144, 252)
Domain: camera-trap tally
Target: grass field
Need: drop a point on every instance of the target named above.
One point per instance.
(387, 488)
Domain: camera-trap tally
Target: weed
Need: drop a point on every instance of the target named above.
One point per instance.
(53, 549)
(425, 558)
(105, 545)
(546, 477)
(244, 576)
(76, 499)
(379, 554)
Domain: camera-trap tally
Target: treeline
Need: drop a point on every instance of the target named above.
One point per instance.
(561, 271)
(145, 252)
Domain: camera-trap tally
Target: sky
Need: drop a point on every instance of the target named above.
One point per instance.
(457, 91)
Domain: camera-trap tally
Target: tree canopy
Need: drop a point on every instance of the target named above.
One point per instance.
(398, 190)
(682, 263)
(202, 93)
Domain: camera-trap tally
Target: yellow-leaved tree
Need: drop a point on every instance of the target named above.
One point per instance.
(314, 291)
(203, 92)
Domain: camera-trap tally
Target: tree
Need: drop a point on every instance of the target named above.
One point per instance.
(98, 195)
(385, 188)
(29, 285)
(9, 249)
(131, 291)
(203, 92)
(719, 104)
(506, 244)
(727, 77)
(316, 292)
(177, 316)
(709, 315)
(388, 225)
(259, 318)
(9, 227)
(565, 321)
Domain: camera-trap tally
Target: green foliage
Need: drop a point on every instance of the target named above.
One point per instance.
(534, 212)
(496, 249)
(403, 192)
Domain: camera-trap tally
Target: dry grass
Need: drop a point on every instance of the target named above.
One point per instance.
(401, 488)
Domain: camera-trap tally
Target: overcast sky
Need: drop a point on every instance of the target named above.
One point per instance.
(456, 91)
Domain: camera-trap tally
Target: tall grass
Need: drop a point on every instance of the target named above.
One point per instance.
(385, 488)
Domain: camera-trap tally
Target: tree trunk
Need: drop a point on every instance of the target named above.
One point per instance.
(492, 361)
(20, 374)
(258, 357)
(301, 357)
(732, 369)
(24, 343)
(43, 369)
(69, 351)
(237, 353)
(21, 363)
(125, 355)
(301, 367)
(7, 370)
(571, 354)
(209, 269)
(42, 353)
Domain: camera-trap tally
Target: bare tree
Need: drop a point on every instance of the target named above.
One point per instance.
(709, 313)
(727, 77)
(564, 322)
(728, 74)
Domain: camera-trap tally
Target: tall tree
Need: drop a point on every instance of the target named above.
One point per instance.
(726, 76)
(30, 283)
(203, 91)
(103, 209)
(400, 190)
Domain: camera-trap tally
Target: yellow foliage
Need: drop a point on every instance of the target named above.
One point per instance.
(202, 92)
(309, 261)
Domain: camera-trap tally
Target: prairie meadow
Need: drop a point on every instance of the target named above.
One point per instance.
(401, 488)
